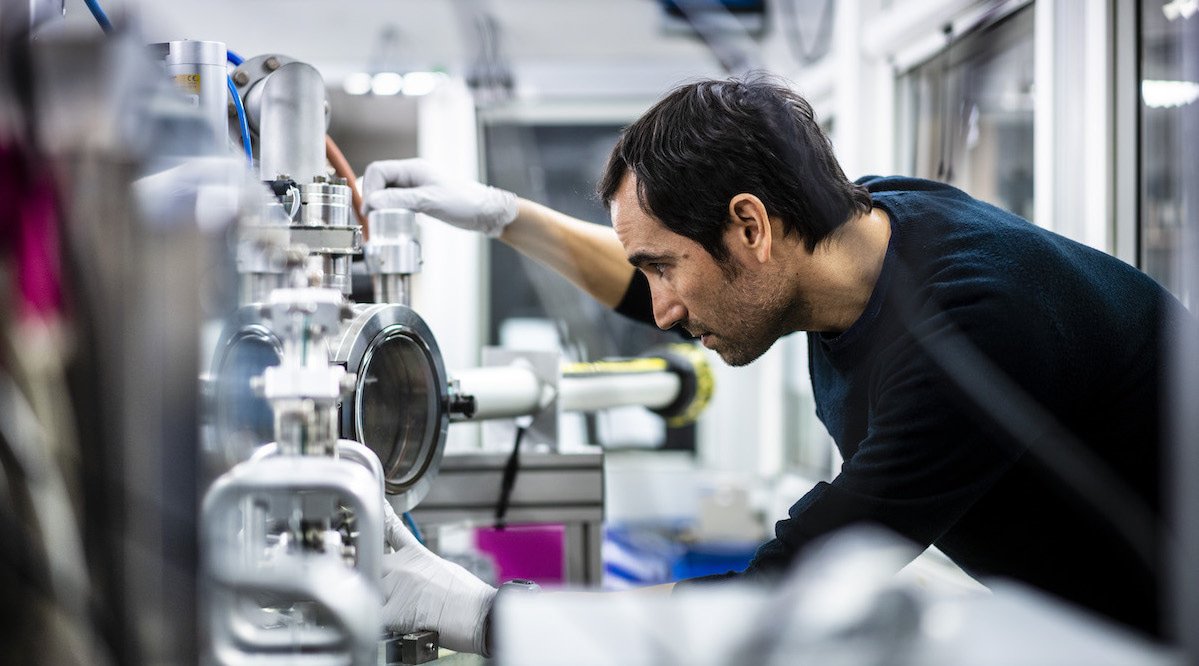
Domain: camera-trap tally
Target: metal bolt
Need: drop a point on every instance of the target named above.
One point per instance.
(241, 78)
(320, 179)
(232, 110)
(272, 63)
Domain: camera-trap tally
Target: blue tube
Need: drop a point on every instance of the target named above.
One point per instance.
(241, 122)
(98, 13)
(413, 528)
(233, 58)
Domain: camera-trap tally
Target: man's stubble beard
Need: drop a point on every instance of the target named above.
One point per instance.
(764, 320)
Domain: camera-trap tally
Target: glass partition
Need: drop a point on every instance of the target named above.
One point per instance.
(966, 115)
(1169, 94)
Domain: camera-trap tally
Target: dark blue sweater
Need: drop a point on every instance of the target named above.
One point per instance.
(1079, 332)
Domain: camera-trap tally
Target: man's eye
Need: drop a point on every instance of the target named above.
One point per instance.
(660, 269)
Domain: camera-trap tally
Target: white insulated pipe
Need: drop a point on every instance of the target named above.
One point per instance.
(515, 390)
(589, 393)
(504, 391)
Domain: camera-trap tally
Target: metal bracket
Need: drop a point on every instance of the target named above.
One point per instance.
(418, 647)
(328, 240)
(543, 430)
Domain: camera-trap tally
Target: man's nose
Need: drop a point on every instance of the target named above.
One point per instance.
(668, 311)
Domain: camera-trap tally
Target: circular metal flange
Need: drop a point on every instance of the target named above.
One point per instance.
(400, 404)
(243, 420)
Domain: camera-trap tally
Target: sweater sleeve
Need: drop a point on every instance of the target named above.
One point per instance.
(636, 304)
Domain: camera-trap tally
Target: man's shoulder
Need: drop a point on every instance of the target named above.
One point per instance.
(887, 184)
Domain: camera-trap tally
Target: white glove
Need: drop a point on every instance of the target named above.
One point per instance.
(416, 185)
(425, 592)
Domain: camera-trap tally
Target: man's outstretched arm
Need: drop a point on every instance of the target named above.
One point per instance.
(589, 255)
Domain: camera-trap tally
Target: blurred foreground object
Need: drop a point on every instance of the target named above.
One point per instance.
(841, 606)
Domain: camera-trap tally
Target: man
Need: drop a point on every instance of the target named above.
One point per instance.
(952, 343)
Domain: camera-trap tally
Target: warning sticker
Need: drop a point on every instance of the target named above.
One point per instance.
(189, 83)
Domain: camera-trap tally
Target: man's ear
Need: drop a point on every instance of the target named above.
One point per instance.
(749, 233)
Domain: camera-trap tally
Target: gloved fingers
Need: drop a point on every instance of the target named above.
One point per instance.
(412, 198)
(400, 538)
(393, 527)
(397, 173)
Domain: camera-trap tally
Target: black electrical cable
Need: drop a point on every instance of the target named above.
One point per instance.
(509, 479)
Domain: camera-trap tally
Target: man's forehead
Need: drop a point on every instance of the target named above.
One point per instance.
(629, 218)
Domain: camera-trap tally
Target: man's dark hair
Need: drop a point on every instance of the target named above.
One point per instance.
(706, 142)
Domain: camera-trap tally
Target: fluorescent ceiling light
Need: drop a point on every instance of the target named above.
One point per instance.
(358, 83)
(1168, 94)
(387, 83)
(1177, 9)
(421, 83)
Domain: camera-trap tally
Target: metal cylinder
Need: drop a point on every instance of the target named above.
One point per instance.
(289, 105)
(393, 289)
(198, 70)
(334, 270)
(393, 225)
(393, 253)
(325, 203)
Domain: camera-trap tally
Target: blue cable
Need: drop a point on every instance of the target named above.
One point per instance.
(241, 121)
(413, 528)
(234, 59)
(98, 13)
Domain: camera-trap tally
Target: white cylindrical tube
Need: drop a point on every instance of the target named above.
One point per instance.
(514, 390)
(589, 393)
(503, 391)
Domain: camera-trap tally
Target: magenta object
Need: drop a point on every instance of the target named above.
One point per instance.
(535, 552)
(29, 233)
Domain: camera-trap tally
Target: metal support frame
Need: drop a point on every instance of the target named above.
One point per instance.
(551, 488)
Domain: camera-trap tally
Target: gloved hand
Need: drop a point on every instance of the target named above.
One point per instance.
(425, 592)
(414, 184)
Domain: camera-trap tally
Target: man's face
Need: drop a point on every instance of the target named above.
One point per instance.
(737, 311)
